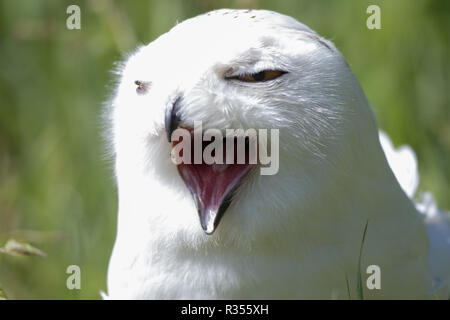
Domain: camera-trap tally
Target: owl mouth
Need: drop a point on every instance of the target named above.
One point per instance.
(213, 186)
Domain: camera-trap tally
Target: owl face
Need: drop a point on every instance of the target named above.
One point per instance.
(234, 69)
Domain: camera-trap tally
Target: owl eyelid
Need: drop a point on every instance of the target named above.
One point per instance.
(253, 77)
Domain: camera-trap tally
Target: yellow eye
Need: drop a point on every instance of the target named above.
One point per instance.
(264, 75)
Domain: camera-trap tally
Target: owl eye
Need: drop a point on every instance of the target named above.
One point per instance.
(261, 76)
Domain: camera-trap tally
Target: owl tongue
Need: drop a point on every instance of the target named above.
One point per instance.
(212, 187)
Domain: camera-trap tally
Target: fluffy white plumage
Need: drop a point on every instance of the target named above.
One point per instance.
(292, 235)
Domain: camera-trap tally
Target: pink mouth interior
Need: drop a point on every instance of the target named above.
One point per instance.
(212, 186)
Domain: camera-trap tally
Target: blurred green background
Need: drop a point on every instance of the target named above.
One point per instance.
(56, 184)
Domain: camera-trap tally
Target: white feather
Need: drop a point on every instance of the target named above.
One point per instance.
(403, 163)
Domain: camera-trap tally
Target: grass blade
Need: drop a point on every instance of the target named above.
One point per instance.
(18, 248)
(2, 294)
(359, 286)
(348, 287)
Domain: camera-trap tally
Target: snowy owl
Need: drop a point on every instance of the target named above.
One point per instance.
(200, 231)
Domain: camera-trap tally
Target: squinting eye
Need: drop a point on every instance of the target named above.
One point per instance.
(264, 75)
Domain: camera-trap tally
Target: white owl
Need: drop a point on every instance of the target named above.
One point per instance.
(296, 234)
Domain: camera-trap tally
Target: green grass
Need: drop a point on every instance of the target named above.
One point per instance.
(3, 295)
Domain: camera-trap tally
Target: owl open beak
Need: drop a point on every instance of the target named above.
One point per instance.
(213, 187)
